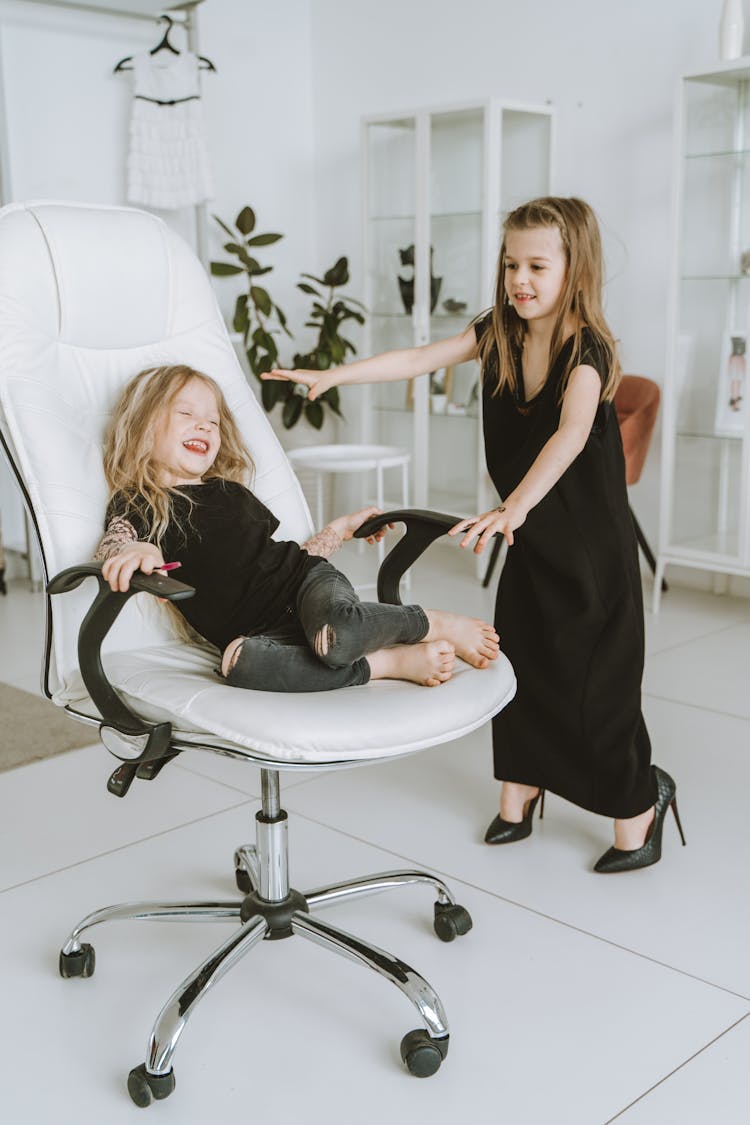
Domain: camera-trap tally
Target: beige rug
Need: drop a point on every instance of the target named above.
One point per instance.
(32, 728)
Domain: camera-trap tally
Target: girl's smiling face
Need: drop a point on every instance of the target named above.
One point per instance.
(535, 271)
(186, 435)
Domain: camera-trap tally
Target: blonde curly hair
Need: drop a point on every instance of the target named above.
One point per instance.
(129, 466)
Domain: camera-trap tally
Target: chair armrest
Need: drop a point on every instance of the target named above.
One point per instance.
(422, 528)
(101, 616)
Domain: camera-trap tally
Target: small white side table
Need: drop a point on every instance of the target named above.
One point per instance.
(322, 459)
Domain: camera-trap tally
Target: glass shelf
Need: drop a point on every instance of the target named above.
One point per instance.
(714, 154)
(715, 277)
(471, 416)
(433, 215)
(711, 435)
(391, 218)
(462, 317)
(724, 544)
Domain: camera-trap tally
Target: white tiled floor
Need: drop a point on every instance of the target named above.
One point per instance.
(576, 999)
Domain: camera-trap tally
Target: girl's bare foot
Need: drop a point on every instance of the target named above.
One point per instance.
(428, 663)
(475, 641)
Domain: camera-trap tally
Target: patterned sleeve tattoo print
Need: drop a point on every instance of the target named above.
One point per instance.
(119, 533)
(324, 544)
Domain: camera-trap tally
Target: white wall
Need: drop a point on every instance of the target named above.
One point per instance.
(67, 114)
(610, 67)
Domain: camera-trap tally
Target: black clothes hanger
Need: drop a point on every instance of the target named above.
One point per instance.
(164, 45)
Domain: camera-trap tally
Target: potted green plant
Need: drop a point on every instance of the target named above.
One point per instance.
(329, 312)
(256, 315)
(260, 320)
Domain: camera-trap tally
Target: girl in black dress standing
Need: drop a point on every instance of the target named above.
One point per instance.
(569, 606)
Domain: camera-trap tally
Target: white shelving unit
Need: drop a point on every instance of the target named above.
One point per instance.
(705, 493)
(438, 183)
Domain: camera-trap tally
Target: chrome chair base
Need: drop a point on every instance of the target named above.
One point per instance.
(271, 910)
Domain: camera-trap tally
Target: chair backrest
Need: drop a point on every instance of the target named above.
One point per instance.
(637, 404)
(89, 296)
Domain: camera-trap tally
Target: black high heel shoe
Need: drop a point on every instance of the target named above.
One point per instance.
(508, 831)
(3, 587)
(615, 859)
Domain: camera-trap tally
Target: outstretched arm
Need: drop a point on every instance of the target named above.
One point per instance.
(327, 541)
(387, 367)
(576, 419)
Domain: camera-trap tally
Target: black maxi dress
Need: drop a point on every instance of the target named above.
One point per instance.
(569, 609)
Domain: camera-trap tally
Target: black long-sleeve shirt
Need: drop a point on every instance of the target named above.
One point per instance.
(245, 581)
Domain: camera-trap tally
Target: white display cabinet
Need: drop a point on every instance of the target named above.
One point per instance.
(705, 494)
(438, 184)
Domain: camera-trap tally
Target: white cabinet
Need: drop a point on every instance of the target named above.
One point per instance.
(705, 496)
(438, 184)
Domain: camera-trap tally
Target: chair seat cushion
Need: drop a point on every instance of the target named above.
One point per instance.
(386, 718)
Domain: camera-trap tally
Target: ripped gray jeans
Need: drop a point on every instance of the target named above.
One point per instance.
(325, 643)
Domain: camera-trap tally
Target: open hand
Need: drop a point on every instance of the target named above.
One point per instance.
(317, 382)
(345, 526)
(503, 520)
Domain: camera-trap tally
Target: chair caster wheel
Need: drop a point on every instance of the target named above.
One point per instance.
(451, 921)
(78, 964)
(144, 1087)
(243, 881)
(422, 1056)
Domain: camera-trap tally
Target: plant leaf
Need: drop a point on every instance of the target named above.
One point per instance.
(337, 274)
(224, 226)
(307, 288)
(252, 265)
(292, 410)
(282, 321)
(261, 298)
(224, 269)
(245, 221)
(311, 277)
(314, 414)
(264, 239)
(331, 396)
(241, 320)
(234, 248)
(270, 393)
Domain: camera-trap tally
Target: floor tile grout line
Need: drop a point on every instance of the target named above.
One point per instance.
(208, 777)
(313, 776)
(723, 628)
(130, 844)
(676, 1069)
(696, 706)
(521, 906)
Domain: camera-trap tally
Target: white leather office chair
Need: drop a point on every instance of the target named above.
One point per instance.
(88, 297)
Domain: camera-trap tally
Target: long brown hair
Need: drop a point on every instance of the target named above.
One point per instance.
(129, 466)
(580, 299)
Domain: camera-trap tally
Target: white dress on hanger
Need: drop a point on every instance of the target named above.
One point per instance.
(168, 161)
